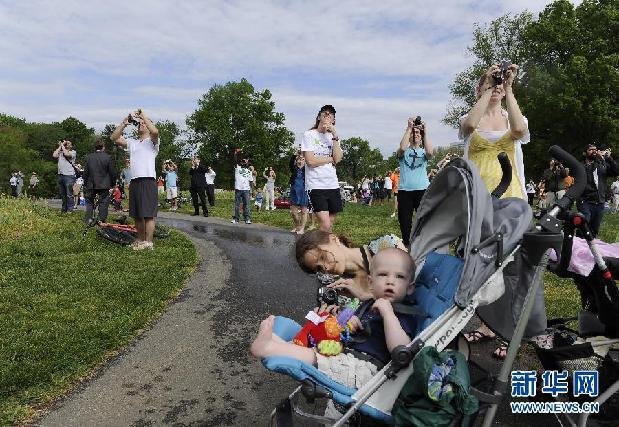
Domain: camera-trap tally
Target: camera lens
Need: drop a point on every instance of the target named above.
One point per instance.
(327, 296)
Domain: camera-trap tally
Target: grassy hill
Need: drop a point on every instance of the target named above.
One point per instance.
(68, 302)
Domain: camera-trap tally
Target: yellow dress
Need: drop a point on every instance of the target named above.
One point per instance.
(484, 154)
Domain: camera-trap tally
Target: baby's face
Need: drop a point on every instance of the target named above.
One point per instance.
(390, 278)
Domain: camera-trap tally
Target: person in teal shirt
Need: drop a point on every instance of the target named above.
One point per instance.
(414, 151)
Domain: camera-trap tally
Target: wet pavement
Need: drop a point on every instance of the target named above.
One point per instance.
(192, 366)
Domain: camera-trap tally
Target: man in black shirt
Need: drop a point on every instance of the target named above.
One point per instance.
(99, 176)
(198, 186)
(598, 166)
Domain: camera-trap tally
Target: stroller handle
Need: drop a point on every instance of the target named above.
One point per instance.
(577, 170)
(506, 178)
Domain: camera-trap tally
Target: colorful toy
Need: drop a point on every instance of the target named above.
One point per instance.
(324, 330)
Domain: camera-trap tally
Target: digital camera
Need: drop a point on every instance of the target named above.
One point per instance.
(132, 120)
(328, 296)
(500, 74)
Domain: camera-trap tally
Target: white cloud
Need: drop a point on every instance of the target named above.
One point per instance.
(75, 58)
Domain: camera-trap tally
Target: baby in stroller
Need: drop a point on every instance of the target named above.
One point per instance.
(380, 327)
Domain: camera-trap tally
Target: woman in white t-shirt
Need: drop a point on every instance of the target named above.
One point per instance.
(322, 151)
(143, 200)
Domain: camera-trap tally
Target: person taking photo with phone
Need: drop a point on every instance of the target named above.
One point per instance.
(143, 200)
(322, 151)
(599, 165)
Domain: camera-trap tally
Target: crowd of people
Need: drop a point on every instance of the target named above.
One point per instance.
(314, 190)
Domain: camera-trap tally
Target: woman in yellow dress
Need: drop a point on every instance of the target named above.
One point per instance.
(487, 130)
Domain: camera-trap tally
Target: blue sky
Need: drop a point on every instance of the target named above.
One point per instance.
(376, 62)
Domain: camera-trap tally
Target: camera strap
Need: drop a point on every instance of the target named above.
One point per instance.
(366, 262)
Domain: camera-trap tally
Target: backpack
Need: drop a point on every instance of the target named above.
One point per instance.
(437, 392)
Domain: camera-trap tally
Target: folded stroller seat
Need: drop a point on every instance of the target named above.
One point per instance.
(434, 292)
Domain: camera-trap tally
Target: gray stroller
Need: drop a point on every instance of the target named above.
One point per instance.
(498, 259)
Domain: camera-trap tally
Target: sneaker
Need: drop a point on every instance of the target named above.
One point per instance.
(234, 221)
(135, 244)
(248, 222)
(143, 245)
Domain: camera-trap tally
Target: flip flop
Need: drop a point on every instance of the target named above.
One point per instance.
(500, 352)
(477, 337)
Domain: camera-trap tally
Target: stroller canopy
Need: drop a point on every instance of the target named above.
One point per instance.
(457, 205)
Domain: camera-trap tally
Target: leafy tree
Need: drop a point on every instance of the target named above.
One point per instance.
(570, 89)
(80, 135)
(235, 115)
(392, 162)
(498, 40)
(359, 160)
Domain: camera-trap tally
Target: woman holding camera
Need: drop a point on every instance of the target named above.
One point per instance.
(488, 129)
(269, 175)
(319, 251)
(414, 151)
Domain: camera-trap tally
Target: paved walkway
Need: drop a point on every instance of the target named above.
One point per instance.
(192, 367)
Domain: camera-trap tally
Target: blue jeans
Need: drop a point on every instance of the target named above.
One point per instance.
(593, 213)
(65, 188)
(244, 195)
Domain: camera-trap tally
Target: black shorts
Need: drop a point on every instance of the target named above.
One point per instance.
(326, 200)
(143, 198)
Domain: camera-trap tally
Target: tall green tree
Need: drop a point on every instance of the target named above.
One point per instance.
(570, 88)
(80, 135)
(359, 160)
(235, 115)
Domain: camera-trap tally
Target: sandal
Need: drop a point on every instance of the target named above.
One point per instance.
(544, 341)
(477, 337)
(500, 352)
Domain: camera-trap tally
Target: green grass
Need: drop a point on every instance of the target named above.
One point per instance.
(69, 302)
(363, 223)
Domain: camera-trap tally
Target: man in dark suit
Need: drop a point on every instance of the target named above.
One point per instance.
(99, 177)
(198, 186)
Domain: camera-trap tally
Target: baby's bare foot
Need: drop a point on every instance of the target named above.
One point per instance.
(264, 339)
